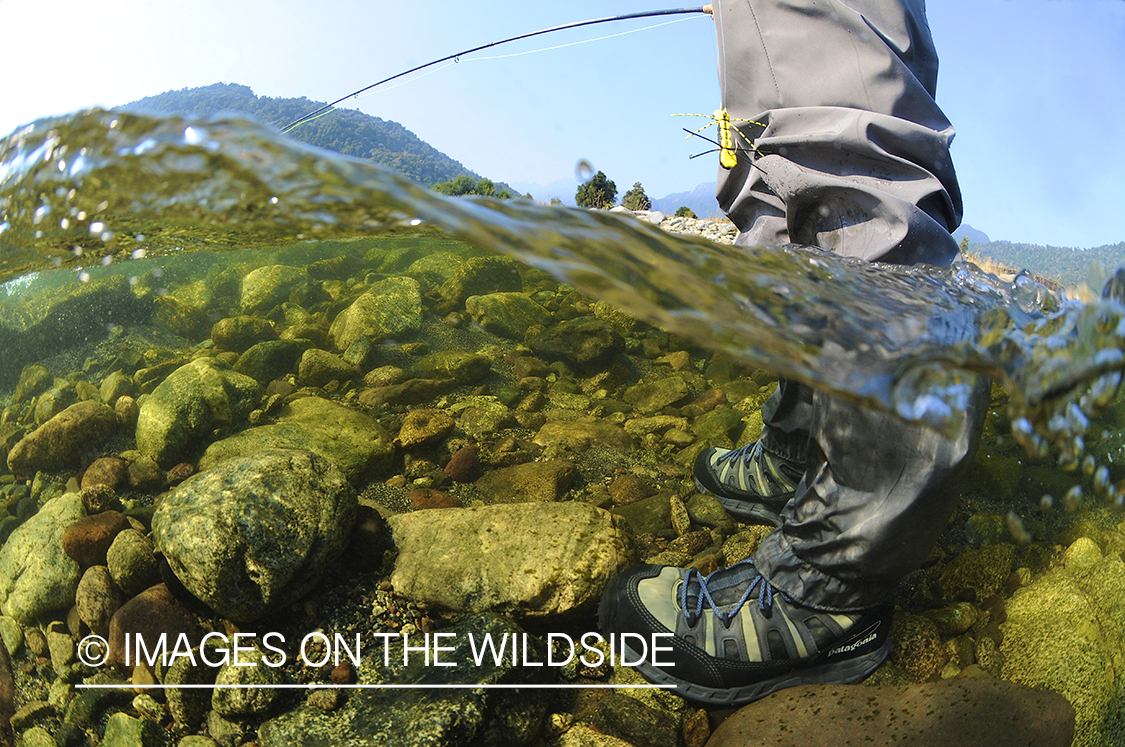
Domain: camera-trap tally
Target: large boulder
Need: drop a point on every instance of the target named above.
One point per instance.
(187, 406)
(982, 712)
(1066, 632)
(61, 440)
(356, 443)
(528, 560)
(36, 575)
(256, 532)
(390, 308)
(506, 314)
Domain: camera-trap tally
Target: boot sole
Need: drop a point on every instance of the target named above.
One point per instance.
(837, 673)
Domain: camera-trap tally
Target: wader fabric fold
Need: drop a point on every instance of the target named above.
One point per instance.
(853, 157)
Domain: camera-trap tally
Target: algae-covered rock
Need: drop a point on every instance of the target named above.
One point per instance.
(981, 572)
(390, 308)
(195, 399)
(533, 482)
(462, 367)
(527, 560)
(61, 440)
(584, 341)
(654, 396)
(1066, 632)
(318, 367)
(506, 314)
(479, 276)
(356, 443)
(256, 532)
(269, 360)
(240, 333)
(484, 717)
(266, 287)
(36, 575)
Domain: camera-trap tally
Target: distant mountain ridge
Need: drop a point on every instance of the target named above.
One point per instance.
(346, 131)
(1068, 266)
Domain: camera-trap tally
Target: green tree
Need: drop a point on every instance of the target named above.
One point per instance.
(964, 243)
(556, 202)
(683, 211)
(599, 192)
(636, 199)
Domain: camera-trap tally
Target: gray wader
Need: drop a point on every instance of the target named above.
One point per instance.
(850, 154)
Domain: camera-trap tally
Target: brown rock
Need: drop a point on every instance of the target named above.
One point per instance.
(97, 599)
(917, 646)
(963, 711)
(407, 393)
(697, 729)
(149, 614)
(88, 539)
(144, 473)
(629, 488)
(527, 483)
(58, 443)
(465, 464)
(126, 409)
(109, 471)
(179, 473)
(429, 498)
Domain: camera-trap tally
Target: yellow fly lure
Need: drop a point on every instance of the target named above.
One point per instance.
(728, 153)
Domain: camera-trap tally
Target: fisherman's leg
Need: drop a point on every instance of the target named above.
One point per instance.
(877, 493)
(854, 149)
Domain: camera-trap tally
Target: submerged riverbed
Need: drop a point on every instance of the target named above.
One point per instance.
(184, 298)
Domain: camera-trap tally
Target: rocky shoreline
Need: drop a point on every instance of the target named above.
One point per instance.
(400, 436)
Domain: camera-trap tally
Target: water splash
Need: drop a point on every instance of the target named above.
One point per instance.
(906, 339)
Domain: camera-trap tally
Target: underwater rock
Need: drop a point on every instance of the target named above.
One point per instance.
(356, 443)
(266, 287)
(483, 417)
(250, 686)
(534, 482)
(97, 599)
(464, 466)
(652, 515)
(506, 314)
(52, 402)
(980, 573)
(417, 718)
(390, 308)
(132, 562)
(628, 718)
(256, 532)
(462, 367)
(186, 407)
(584, 341)
(36, 576)
(150, 614)
(61, 440)
(240, 333)
(269, 360)
(981, 712)
(48, 323)
(407, 393)
(111, 472)
(581, 735)
(479, 276)
(527, 560)
(426, 498)
(318, 367)
(123, 730)
(423, 427)
(34, 380)
(88, 539)
(580, 435)
(654, 396)
(917, 646)
(1066, 632)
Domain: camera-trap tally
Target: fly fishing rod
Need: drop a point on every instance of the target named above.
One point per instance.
(628, 16)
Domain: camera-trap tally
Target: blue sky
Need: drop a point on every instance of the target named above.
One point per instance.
(1035, 88)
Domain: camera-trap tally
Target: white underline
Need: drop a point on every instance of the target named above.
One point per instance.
(323, 686)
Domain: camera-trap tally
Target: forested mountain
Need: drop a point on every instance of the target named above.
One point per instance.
(345, 131)
(1068, 266)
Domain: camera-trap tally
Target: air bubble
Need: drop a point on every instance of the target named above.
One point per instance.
(1046, 503)
(1089, 465)
(1102, 487)
(1073, 500)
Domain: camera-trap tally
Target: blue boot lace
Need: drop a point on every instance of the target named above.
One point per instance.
(760, 584)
